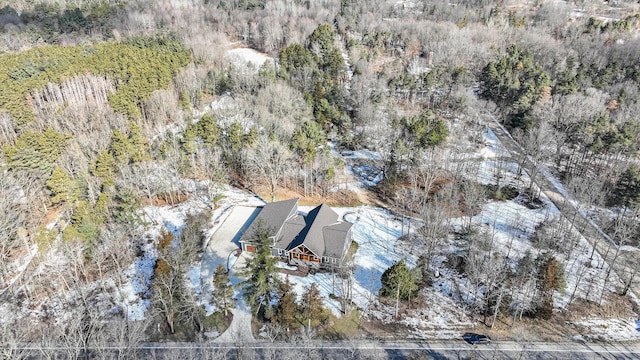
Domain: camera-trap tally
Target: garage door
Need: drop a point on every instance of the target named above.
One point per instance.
(250, 248)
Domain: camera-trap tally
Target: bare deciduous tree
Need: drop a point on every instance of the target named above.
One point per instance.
(13, 216)
(270, 161)
(435, 227)
(14, 335)
(473, 196)
(538, 145)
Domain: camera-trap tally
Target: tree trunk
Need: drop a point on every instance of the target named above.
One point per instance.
(627, 284)
(397, 299)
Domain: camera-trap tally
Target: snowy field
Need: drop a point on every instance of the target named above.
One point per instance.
(247, 59)
(379, 235)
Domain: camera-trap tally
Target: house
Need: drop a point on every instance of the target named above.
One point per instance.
(318, 239)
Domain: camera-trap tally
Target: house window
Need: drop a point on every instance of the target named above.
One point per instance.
(324, 259)
(333, 260)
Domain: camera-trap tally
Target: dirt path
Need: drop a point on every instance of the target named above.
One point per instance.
(623, 263)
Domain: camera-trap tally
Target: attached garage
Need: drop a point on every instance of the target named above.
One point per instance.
(250, 248)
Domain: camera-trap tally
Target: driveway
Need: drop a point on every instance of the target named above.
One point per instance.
(223, 243)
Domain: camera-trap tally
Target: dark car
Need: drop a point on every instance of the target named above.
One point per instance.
(473, 339)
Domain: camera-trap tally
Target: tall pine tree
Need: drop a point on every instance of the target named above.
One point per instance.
(286, 308)
(398, 281)
(62, 186)
(261, 287)
(208, 130)
(222, 292)
(311, 306)
(627, 189)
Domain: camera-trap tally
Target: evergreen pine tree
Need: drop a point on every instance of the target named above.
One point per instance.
(295, 57)
(235, 134)
(306, 139)
(36, 150)
(222, 292)
(311, 306)
(138, 144)
(208, 130)
(399, 282)
(62, 186)
(260, 289)
(189, 140)
(627, 189)
(286, 309)
(251, 137)
(120, 147)
(105, 164)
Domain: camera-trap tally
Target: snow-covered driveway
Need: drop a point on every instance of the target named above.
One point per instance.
(223, 243)
(240, 328)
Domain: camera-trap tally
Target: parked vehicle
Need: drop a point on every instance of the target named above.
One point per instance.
(473, 338)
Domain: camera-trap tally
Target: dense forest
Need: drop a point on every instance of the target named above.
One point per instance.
(108, 107)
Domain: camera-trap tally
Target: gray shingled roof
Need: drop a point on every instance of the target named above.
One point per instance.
(272, 216)
(335, 238)
(290, 231)
(319, 231)
(313, 236)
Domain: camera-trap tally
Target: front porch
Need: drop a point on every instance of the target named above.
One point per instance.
(302, 256)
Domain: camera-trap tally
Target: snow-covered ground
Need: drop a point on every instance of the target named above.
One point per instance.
(247, 59)
(376, 232)
(135, 292)
(610, 329)
(360, 169)
(511, 225)
(379, 235)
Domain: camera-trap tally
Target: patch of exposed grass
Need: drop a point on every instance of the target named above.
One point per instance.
(217, 321)
(345, 327)
(504, 193)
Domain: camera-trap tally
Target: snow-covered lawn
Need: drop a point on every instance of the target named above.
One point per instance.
(376, 232)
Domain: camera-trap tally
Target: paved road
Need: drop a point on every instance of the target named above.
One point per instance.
(431, 350)
(453, 349)
(624, 264)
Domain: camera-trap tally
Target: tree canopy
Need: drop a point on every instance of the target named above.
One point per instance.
(261, 287)
(138, 67)
(515, 82)
(398, 281)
